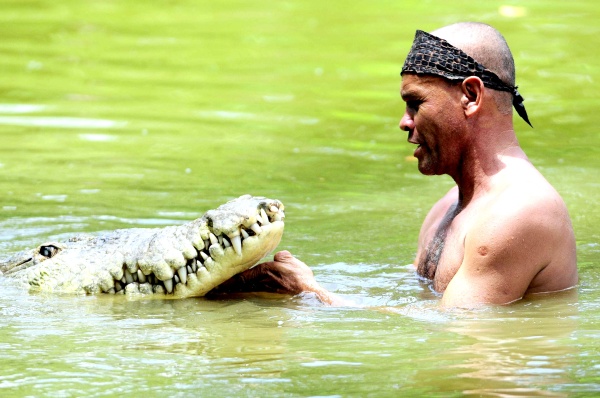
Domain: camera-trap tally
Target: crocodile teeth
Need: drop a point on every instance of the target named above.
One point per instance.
(256, 228)
(236, 241)
(145, 288)
(128, 277)
(245, 234)
(226, 243)
(213, 239)
(273, 209)
(132, 288)
(141, 276)
(169, 285)
(264, 217)
(182, 272)
(204, 256)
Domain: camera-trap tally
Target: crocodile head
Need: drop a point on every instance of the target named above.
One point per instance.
(177, 261)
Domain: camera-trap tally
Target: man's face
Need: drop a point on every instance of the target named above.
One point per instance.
(432, 118)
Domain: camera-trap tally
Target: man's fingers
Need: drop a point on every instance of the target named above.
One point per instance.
(285, 274)
(254, 273)
(283, 256)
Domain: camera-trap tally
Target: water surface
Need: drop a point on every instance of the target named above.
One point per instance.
(131, 114)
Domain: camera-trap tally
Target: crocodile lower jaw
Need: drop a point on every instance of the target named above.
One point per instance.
(209, 269)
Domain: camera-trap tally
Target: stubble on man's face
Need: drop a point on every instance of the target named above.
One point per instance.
(437, 104)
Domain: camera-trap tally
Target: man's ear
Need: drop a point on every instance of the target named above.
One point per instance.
(472, 90)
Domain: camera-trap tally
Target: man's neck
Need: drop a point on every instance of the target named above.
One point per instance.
(482, 159)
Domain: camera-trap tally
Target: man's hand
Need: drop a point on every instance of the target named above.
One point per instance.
(285, 275)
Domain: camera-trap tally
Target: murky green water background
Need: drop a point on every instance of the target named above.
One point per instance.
(124, 113)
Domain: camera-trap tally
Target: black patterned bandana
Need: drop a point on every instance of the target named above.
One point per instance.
(430, 55)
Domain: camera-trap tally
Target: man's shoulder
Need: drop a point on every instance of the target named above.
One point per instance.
(524, 191)
(526, 224)
(440, 208)
(526, 209)
(446, 201)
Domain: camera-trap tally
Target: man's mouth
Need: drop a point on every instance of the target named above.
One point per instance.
(417, 151)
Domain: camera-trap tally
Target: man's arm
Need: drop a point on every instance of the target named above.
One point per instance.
(504, 252)
(285, 274)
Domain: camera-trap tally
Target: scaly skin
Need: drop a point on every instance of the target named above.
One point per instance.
(177, 261)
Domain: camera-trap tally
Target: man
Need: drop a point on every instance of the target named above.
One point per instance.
(502, 232)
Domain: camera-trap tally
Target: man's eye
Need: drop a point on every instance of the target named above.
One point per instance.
(414, 105)
(49, 251)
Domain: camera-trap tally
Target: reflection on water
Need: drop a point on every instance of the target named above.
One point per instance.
(525, 350)
(136, 114)
(59, 122)
(21, 108)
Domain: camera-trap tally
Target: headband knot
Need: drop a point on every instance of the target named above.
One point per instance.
(431, 55)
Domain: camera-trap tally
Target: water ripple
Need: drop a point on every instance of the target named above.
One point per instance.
(60, 121)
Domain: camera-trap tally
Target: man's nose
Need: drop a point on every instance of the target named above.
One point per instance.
(407, 123)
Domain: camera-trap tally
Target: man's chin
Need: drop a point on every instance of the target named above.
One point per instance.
(425, 168)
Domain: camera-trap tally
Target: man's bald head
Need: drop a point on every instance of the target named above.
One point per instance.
(485, 44)
(488, 47)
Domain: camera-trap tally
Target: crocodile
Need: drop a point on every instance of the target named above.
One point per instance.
(179, 261)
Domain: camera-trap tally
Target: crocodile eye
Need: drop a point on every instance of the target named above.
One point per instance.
(49, 250)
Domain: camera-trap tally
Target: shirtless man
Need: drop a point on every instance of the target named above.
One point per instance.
(503, 231)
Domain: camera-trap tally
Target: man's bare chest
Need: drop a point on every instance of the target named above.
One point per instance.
(443, 251)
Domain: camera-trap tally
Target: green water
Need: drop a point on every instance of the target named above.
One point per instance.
(125, 114)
